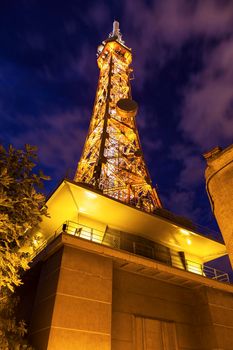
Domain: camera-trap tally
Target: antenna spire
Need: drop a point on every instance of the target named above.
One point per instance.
(116, 28)
(116, 32)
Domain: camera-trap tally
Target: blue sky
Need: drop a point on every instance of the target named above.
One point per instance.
(182, 60)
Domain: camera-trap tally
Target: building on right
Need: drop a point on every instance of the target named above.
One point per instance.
(219, 187)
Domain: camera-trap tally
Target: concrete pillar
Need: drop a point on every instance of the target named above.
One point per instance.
(219, 186)
(73, 307)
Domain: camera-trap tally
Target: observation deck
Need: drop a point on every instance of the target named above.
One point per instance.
(93, 221)
(137, 246)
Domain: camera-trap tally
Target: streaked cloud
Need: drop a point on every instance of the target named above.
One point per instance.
(59, 137)
(207, 115)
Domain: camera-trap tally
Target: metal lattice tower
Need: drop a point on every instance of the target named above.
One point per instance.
(112, 160)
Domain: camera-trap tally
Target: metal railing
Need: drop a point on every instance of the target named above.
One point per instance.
(133, 245)
(215, 274)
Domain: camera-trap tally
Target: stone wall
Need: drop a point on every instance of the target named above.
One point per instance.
(73, 305)
(85, 301)
(135, 295)
(202, 318)
(219, 185)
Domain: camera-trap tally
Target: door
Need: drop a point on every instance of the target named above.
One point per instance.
(152, 334)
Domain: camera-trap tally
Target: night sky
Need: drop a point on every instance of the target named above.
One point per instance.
(183, 83)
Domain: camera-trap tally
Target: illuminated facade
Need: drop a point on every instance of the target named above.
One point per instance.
(112, 159)
(113, 273)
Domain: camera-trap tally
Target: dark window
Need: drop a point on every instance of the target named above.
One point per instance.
(137, 245)
(162, 253)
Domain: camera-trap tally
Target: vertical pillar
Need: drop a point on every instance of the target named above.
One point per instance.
(74, 304)
(42, 312)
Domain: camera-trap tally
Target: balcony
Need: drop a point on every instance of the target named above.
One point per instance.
(138, 246)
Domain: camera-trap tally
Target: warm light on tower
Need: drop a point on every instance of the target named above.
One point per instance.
(112, 159)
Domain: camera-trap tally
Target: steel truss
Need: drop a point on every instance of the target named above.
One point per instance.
(112, 159)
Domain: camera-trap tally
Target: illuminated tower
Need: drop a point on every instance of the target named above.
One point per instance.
(107, 276)
(112, 160)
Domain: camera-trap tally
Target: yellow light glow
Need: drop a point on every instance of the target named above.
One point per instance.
(82, 210)
(184, 232)
(35, 242)
(90, 195)
(194, 267)
(189, 242)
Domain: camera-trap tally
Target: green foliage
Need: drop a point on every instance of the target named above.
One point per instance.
(21, 209)
(11, 331)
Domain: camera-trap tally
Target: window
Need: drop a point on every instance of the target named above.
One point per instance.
(162, 253)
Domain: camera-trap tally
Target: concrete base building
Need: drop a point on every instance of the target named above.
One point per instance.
(115, 277)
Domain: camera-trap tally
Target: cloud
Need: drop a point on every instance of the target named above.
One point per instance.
(59, 137)
(84, 63)
(97, 15)
(181, 202)
(147, 122)
(35, 41)
(182, 198)
(180, 19)
(164, 26)
(151, 145)
(70, 66)
(158, 35)
(191, 166)
(70, 27)
(207, 115)
(192, 172)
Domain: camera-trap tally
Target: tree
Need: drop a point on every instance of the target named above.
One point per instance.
(12, 331)
(21, 209)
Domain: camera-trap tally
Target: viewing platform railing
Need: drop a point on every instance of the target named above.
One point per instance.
(167, 256)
